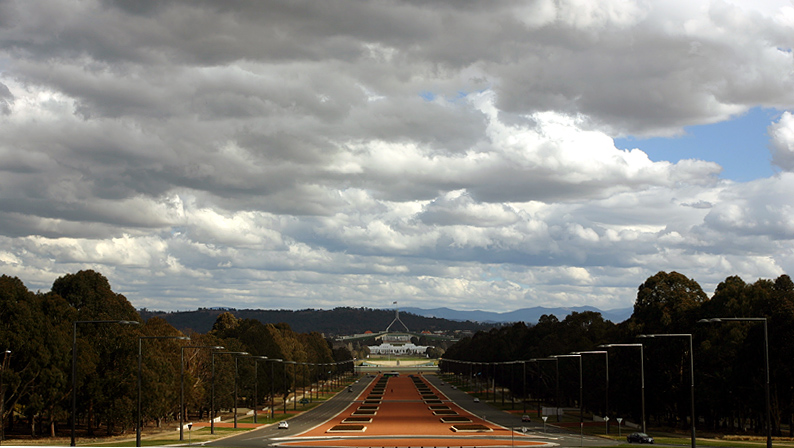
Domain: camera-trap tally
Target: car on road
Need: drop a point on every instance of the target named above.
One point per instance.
(476, 400)
(525, 418)
(283, 425)
(639, 437)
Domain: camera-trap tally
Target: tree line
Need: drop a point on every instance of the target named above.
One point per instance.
(36, 333)
(337, 321)
(729, 360)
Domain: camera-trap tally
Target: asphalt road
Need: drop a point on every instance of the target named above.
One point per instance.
(304, 421)
(269, 435)
(552, 434)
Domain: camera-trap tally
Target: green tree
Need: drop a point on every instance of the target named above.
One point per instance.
(107, 355)
(160, 371)
(667, 303)
(36, 329)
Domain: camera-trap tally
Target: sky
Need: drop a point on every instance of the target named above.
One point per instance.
(473, 155)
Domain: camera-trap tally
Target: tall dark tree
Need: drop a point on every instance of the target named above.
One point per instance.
(160, 371)
(36, 329)
(107, 354)
(667, 303)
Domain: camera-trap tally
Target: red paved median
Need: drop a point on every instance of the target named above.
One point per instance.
(407, 411)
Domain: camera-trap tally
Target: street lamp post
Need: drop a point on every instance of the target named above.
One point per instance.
(272, 381)
(236, 380)
(512, 385)
(320, 375)
(766, 361)
(3, 395)
(294, 402)
(691, 374)
(606, 385)
(311, 380)
(486, 378)
(256, 380)
(642, 373)
(581, 395)
(326, 378)
(284, 381)
(182, 383)
(470, 378)
(557, 366)
(524, 387)
(212, 393)
(304, 368)
(139, 421)
(74, 364)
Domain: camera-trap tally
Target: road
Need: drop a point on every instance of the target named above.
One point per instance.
(271, 435)
(310, 428)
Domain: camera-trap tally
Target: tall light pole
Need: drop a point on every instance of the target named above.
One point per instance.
(327, 375)
(295, 404)
(524, 386)
(139, 422)
(321, 369)
(766, 361)
(236, 380)
(74, 363)
(581, 388)
(691, 373)
(311, 380)
(470, 378)
(642, 373)
(286, 386)
(272, 381)
(557, 365)
(182, 383)
(212, 393)
(256, 380)
(606, 385)
(3, 395)
(304, 367)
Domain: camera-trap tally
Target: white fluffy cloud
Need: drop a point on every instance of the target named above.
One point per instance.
(782, 134)
(298, 154)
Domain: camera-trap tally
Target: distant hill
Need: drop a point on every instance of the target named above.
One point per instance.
(347, 321)
(527, 315)
(338, 321)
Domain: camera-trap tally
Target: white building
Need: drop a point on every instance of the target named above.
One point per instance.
(402, 349)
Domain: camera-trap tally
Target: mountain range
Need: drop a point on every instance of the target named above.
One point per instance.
(527, 315)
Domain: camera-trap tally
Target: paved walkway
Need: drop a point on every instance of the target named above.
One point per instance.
(409, 412)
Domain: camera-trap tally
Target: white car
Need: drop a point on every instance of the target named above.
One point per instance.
(476, 400)
(283, 425)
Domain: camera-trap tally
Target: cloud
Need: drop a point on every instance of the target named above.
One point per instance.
(782, 136)
(312, 154)
(6, 99)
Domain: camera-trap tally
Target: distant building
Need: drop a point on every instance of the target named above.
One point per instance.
(402, 349)
(396, 338)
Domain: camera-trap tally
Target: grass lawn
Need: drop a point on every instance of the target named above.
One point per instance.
(196, 436)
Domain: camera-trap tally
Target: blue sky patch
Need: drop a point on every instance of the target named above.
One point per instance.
(740, 146)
